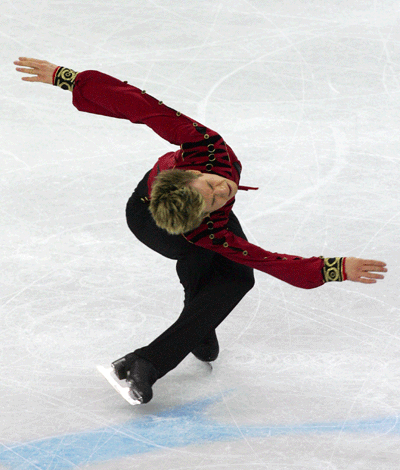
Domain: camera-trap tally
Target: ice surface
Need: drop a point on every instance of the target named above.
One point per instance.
(307, 94)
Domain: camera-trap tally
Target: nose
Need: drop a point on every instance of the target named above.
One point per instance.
(221, 190)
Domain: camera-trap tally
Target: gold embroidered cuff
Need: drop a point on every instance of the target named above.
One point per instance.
(333, 270)
(65, 78)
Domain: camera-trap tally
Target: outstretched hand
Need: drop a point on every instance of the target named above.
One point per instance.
(363, 270)
(40, 70)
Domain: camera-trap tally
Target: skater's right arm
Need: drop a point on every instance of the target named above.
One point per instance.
(98, 93)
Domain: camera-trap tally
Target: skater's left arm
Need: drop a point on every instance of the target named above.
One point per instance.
(306, 273)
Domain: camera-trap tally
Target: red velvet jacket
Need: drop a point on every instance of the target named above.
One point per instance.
(200, 149)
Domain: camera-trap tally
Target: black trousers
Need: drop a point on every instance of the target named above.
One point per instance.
(213, 284)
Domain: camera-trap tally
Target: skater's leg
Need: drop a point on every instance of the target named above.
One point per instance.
(213, 302)
(209, 298)
(208, 348)
(194, 272)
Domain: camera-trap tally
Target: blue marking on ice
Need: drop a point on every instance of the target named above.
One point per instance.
(175, 428)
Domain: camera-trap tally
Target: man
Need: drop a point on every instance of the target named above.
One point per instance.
(182, 209)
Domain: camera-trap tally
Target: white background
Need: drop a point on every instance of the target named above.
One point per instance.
(307, 94)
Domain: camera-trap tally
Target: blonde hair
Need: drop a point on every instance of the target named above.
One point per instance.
(175, 206)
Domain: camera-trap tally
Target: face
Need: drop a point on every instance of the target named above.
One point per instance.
(216, 190)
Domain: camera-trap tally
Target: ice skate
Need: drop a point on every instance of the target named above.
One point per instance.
(140, 377)
(132, 377)
(122, 387)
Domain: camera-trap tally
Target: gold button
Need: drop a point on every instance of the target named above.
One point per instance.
(178, 113)
(226, 244)
(245, 253)
(160, 102)
(206, 136)
(143, 92)
(212, 236)
(211, 147)
(211, 158)
(209, 166)
(195, 124)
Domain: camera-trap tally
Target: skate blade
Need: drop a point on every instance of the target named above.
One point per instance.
(121, 387)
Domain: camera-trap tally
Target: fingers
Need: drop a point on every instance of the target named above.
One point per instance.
(367, 281)
(41, 70)
(368, 270)
(30, 71)
(24, 62)
(31, 79)
(29, 62)
(28, 66)
(374, 263)
(365, 271)
(369, 275)
(376, 269)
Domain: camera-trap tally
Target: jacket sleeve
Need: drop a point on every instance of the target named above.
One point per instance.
(201, 148)
(97, 93)
(305, 273)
